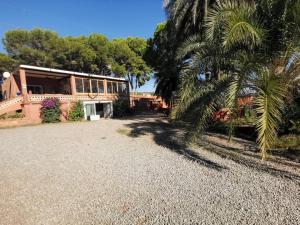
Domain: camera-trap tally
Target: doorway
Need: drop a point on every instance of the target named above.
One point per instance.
(100, 109)
(103, 109)
(89, 110)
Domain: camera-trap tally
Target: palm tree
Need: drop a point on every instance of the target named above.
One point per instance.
(169, 36)
(255, 47)
(187, 15)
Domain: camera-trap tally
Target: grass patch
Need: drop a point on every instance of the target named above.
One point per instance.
(289, 142)
(124, 132)
(128, 133)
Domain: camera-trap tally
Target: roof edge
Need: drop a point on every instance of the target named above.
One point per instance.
(69, 72)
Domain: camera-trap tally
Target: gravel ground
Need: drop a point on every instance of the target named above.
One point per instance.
(101, 173)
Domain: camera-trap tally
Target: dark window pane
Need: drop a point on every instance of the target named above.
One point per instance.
(100, 86)
(115, 87)
(86, 85)
(94, 86)
(79, 87)
(109, 87)
(124, 89)
(120, 88)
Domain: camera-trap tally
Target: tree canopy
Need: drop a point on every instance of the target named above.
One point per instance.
(92, 54)
(161, 55)
(220, 50)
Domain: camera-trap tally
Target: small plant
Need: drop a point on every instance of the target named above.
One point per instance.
(288, 142)
(50, 111)
(295, 128)
(77, 112)
(17, 115)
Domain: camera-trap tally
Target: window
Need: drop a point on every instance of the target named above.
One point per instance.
(101, 86)
(90, 110)
(115, 87)
(35, 89)
(125, 88)
(86, 85)
(109, 87)
(122, 88)
(79, 85)
(94, 86)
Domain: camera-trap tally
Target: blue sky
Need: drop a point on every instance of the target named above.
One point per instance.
(114, 18)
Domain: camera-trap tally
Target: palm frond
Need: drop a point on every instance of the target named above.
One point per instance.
(269, 104)
(197, 104)
(234, 21)
(189, 46)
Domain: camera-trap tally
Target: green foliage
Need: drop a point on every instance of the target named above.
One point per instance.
(127, 60)
(16, 115)
(51, 115)
(76, 113)
(6, 63)
(249, 49)
(295, 128)
(92, 54)
(188, 17)
(291, 116)
(288, 142)
(31, 47)
(50, 111)
(161, 55)
(269, 107)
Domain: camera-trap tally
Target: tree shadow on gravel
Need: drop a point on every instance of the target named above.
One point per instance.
(248, 159)
(169, 136)
(250, 149)
(164, 134)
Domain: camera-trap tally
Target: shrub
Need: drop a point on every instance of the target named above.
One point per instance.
(76, 113)
(291, 117)
(295, 128)
(50, 111)
(17, 115)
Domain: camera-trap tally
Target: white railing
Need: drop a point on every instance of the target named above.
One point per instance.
(39, 98)
(7, 103)
(63, 98)
(70, 98)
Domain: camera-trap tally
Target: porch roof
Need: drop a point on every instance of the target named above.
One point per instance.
(66, 72)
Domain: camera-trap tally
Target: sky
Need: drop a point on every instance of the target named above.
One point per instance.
(113, 18)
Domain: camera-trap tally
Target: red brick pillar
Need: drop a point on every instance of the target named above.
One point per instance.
(73, 85)
(105, 87)
(24, 85)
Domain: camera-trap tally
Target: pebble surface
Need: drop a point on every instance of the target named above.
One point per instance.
(88, 173)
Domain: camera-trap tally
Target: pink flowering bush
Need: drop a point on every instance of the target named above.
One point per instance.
(50, 111)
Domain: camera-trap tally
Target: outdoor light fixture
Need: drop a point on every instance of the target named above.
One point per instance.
(6, 75)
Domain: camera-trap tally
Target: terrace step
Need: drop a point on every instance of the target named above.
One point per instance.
(11, 105)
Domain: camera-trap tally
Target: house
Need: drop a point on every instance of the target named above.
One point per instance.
(28, 86)
(147, 102)
(223, 114)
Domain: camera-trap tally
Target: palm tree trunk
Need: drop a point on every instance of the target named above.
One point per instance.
(264, 154)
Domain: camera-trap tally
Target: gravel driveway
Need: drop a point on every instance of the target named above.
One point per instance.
(119, 172)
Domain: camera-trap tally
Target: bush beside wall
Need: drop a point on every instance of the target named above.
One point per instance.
(77, 112)
(50, 111)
